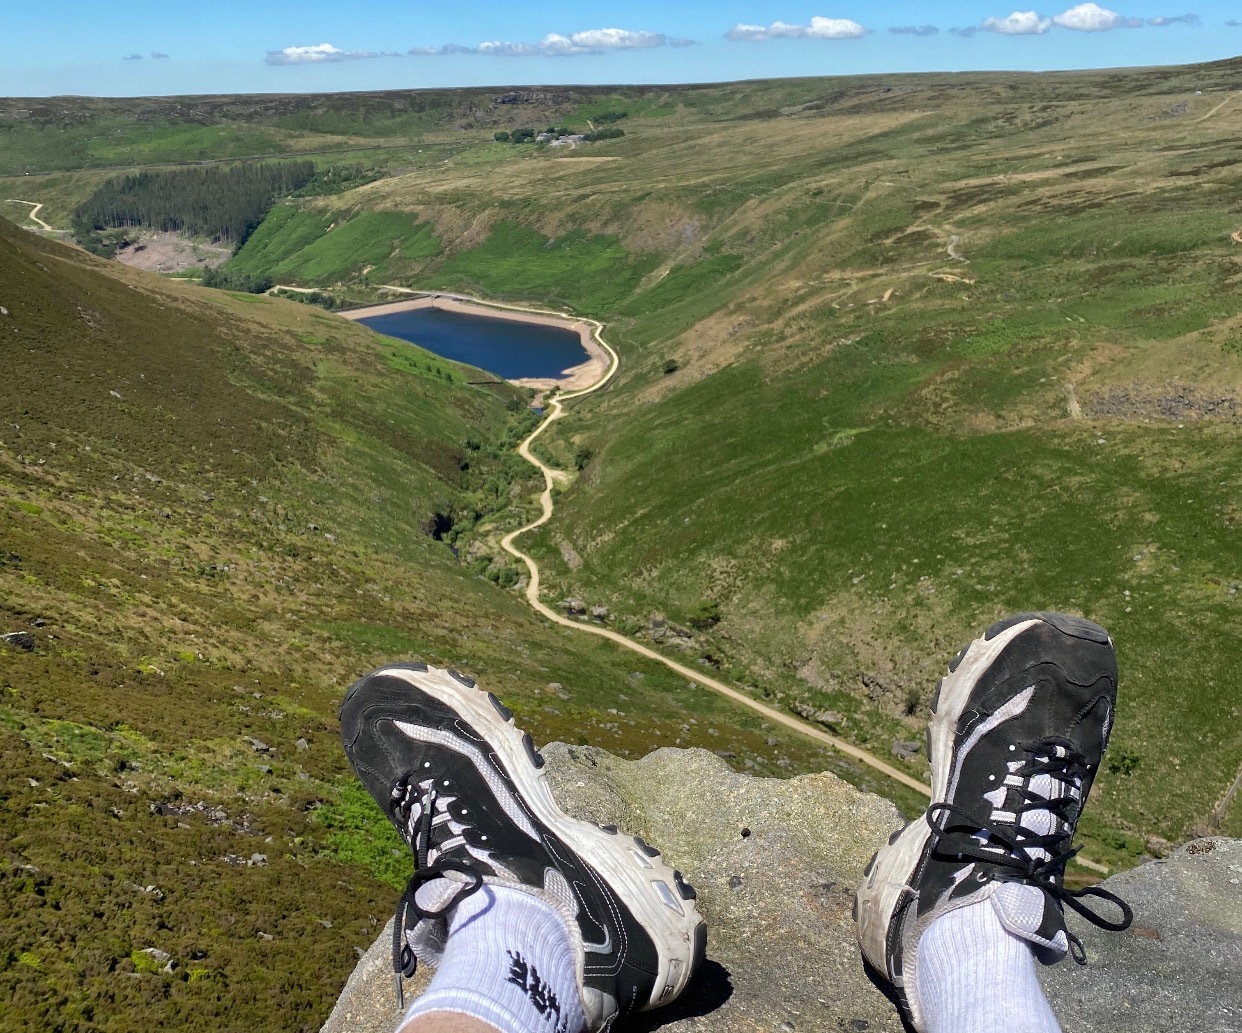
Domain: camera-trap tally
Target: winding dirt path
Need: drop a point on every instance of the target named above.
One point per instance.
(1204, 118)
(34, 212)
(555, 411)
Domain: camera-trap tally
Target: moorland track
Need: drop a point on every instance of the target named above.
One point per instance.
(556, 410)
(1204, 118)
(35, 207)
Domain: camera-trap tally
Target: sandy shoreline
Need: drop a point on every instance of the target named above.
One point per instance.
(573, 379)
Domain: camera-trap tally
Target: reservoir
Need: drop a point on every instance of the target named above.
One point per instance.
(511, 349)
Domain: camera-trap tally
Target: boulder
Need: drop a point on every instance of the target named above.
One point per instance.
(1179, 966)
(20, 639)
(775, 863)
(906, 750)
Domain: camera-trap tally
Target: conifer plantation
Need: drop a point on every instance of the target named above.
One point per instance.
(222, 204)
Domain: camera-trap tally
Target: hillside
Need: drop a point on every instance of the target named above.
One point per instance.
(899, 355)
(218, 511)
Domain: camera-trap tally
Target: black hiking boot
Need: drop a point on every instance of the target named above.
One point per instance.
(1019, 726)
(466, 791)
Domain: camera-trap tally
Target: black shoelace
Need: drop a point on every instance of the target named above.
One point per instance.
(406, 797)
(1024, 855)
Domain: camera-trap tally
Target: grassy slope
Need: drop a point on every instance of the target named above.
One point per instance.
(822, 434)
(872, 447)
(861, 482)
(211, 523)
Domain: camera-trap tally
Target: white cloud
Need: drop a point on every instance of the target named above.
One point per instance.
(835, 28)
(1177, 19)
(321, 52)
(554, 44)
(1020, 23)
(818, 28)
(618, 39)
(1091, 17)
(741, 31)
(448, 48)
(913, 30)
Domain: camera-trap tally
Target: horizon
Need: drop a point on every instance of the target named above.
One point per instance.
(74, 49)
(654, 85)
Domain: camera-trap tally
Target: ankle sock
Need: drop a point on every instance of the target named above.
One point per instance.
(509, 962)
(976, 977)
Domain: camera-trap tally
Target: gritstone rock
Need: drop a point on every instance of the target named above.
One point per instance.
(775, 863)
(1179, 966)
(21, 639)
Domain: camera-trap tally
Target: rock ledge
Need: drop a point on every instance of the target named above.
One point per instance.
(775, 863)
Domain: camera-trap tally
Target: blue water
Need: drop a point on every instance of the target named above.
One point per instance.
(501, 346)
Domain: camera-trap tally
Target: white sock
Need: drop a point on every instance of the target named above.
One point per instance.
(508, 961)
(973, 976)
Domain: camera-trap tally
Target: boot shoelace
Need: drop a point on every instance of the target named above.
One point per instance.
(420, 811)
(1031, 857)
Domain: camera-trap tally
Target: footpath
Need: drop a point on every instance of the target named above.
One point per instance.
(556, 410)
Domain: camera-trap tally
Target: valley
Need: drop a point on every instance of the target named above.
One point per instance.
(895, 356)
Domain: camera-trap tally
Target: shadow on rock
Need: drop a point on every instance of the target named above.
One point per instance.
(706, 992)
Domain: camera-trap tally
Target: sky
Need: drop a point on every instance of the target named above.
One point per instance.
(158, 47)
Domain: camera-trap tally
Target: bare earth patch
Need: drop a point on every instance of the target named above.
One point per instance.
(164, 252)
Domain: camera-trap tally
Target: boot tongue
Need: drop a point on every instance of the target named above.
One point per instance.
(426, 937)
(1025, 910)
(1032, 915)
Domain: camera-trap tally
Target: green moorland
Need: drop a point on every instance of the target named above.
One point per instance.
(900, 355)
(215, 512)
(909, 353)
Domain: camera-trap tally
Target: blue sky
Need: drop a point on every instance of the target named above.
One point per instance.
(137, 47)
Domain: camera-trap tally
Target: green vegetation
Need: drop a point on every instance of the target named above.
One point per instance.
(336, 179)
(216, 515)
(900, 355)
(593, 273)
(320, 298)
(323, 247)
(229, 280)
(218, 203)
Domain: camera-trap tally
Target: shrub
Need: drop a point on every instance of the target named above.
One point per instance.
(705, 615)
(232, 280)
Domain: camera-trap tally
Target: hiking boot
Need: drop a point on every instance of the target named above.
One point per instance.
(467, 792)
(1019, 726)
